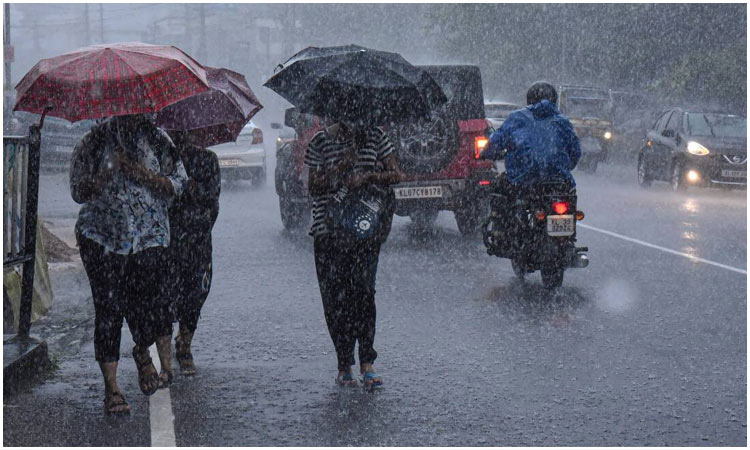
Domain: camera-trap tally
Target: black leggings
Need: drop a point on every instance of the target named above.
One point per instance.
(189, 282)
(129, 287)
(346, 276)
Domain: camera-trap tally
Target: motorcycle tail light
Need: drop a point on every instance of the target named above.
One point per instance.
(560, 207)
(480, 143)
(540, 215)
(579, 215)
(484, 182)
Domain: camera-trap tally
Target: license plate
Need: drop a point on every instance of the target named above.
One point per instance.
(561, 225)
(733, 173)
(229, 162)
(418, 192)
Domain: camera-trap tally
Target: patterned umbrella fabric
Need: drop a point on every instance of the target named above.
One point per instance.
(110, 80)
(215, 116)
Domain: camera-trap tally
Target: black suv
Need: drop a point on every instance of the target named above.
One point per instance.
(695, 148)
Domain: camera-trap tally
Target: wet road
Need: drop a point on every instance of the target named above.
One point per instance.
(643, 347)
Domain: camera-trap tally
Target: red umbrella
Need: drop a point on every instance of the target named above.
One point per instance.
(110, 80)
(215, 116)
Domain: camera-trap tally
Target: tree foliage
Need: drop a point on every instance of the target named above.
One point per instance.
(684, 52)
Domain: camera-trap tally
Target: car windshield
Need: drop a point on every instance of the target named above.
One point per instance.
(586, 107)
(719, 125)
(494, 110)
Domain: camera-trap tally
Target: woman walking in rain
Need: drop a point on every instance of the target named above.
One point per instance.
(191, 218)
(344, 159)
(126, 172)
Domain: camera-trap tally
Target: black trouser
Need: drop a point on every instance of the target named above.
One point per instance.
(129, 287)
(190, 279)
(346, 276)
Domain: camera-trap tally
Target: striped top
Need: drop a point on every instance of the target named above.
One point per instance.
(324, 151)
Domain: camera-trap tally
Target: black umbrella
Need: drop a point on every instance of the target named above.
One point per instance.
(356, 84)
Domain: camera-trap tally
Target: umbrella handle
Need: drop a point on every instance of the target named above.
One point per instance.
(44, 114)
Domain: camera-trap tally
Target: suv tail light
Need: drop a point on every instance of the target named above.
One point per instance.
(560, 207)
(480, 143)
(257, 136)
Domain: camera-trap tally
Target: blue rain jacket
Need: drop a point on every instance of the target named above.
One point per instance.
(541, 145)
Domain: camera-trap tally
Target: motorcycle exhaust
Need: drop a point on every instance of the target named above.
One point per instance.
(579, 261)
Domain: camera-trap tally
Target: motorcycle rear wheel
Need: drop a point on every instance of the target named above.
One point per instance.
(552, 277)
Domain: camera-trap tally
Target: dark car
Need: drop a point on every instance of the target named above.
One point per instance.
(692, 148)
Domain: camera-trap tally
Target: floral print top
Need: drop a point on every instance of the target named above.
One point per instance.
(125, 217)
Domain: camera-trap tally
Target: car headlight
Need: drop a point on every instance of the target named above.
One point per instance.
(607, 135)
(696, 149)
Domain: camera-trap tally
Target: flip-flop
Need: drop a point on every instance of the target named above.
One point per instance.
(371, 380)
(346, 380)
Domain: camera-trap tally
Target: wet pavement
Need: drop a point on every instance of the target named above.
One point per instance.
(642, 347)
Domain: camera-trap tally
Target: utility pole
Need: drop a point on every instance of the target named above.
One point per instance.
(202, 45)
(86, 25)
(7, 45)
(101, 23)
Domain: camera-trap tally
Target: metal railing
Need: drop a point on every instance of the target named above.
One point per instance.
(20, 201)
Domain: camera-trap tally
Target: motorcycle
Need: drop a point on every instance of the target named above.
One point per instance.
(538, 232)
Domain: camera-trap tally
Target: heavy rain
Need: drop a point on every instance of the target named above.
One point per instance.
(372, 225)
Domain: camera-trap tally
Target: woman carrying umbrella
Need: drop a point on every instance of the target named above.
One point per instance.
(342, 158)
(358, 88)
(210, 118)
(125, 172)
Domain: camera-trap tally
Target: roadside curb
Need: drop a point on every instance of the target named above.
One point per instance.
(24, 360)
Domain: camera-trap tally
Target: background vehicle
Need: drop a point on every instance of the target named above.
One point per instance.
(633, 114)
(244, 158)
(59, 137)
(696, 149)
(290, 176)
(542, 233)
(497, 112)
(439, 158)
(589, 111)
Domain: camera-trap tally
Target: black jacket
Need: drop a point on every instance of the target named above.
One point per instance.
(192, 216)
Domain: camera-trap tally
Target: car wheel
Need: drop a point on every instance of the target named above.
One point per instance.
(423, 219)
(678, 177)
(588, 165)
(469, 217)
(518, 269)
(552, 277)
(293, 215)
(258, 179)
(644, 177)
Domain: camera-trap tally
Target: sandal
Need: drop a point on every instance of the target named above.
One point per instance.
(113, 400)
(165, 378)
(370, 380)
(346, 379)
(149, 382)
(184, 357)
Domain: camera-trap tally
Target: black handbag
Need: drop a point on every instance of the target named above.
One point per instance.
(361, 214)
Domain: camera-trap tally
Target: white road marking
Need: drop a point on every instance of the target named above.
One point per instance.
(160, 412)
(664, 249)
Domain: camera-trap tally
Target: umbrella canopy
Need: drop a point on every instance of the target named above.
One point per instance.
(110, 80)
(215, 116)
(356, 84)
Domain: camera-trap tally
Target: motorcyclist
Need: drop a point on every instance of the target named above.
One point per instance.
(538, 144)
